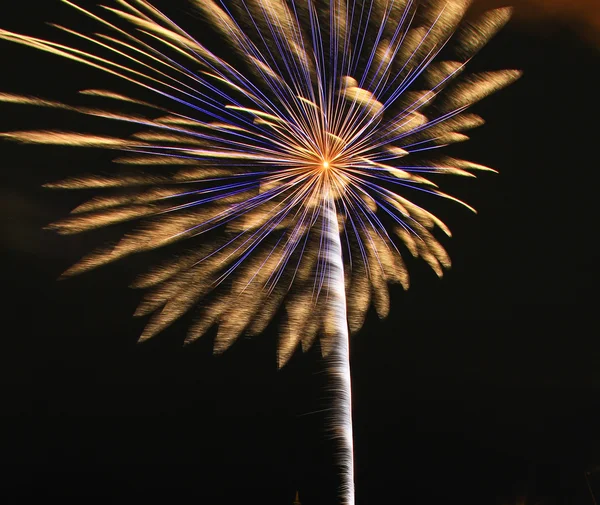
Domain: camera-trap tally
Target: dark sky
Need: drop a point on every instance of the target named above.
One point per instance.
(477, 389)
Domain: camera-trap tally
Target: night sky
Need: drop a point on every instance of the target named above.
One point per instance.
(477, 390)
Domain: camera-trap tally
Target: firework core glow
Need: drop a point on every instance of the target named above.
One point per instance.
(286, 170)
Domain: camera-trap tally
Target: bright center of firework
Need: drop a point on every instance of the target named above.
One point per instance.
(325, 165)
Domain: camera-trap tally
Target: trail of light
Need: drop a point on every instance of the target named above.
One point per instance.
(338, 361)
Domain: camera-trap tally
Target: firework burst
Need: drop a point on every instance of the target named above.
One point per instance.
(298, 160)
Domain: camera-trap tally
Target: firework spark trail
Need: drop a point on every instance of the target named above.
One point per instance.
(303, 159)
(338, 359)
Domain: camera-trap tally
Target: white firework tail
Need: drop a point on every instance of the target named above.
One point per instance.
(337, 345)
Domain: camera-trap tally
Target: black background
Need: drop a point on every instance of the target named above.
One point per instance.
(477, 389)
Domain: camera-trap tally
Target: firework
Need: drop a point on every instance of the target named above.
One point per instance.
(287, 176)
